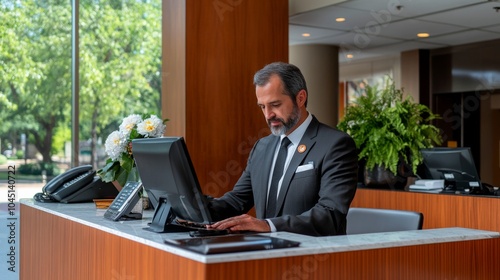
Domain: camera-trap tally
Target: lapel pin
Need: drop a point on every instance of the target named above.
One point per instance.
(302, 148)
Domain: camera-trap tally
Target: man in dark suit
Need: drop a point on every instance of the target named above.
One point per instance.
(320, 166)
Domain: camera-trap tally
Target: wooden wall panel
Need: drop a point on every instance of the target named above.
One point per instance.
(440, 210)
(173, 78)
(226, 42)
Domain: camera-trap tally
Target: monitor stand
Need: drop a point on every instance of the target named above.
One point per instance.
(163, 218)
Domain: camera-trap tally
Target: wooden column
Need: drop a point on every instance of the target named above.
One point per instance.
(211, 50)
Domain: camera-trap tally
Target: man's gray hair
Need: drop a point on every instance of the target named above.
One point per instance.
(290, 75)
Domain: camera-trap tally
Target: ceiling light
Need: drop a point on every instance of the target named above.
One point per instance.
(349, 55)
(423, 35)
(340, 19)
(306, 35)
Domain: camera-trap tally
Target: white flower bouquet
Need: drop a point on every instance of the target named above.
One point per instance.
(120, 166)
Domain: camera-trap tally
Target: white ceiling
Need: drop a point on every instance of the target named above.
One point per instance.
(377, 28)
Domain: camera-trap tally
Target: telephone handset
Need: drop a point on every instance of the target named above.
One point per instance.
(68, 182)
(78, 184)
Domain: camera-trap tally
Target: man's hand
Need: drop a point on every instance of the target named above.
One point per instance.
(242, 223)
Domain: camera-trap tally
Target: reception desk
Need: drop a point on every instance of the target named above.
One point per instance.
(74, 241)
(440, 210)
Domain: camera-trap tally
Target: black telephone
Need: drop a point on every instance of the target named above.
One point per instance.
(79, 184)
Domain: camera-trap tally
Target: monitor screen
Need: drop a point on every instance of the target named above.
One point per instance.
(167, 173)
(454, 165)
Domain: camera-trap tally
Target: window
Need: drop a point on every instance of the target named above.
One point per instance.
(119, 73)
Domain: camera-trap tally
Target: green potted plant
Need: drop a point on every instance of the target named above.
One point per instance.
(389, 131)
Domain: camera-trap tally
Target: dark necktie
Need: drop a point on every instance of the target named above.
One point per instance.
(277, 174)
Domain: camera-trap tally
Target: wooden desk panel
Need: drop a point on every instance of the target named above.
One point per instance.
(57, 248)
(432, 261)
(53, 247)
(440, 210)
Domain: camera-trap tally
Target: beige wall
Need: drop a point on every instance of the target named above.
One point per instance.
(319, 65)
(410, 75)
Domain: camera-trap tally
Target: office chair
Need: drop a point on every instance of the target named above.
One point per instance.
(371, 220)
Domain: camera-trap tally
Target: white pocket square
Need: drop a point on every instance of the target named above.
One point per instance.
(304, 167)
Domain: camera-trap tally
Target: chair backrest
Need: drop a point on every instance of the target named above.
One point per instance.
(371, 220)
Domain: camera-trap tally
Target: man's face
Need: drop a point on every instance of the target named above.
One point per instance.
(279, 110)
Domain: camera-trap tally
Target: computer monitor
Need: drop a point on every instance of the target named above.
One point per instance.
(169, 178)
(454, 165)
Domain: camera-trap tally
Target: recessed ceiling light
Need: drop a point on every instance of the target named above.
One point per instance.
(340, 19)
(306, 35)
(423, 35)
(349, 55)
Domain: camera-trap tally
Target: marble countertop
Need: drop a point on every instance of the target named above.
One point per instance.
(88, 214)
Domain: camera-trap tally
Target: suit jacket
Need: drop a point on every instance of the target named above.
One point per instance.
(314, 201)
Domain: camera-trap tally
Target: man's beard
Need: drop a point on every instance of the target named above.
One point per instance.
(286, 126)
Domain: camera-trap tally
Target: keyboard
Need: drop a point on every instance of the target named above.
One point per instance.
(200, 229)
(191, 224)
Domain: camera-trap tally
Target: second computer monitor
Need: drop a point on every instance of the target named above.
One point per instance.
(455, 165)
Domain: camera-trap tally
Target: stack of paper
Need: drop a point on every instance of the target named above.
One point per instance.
(427, 185)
